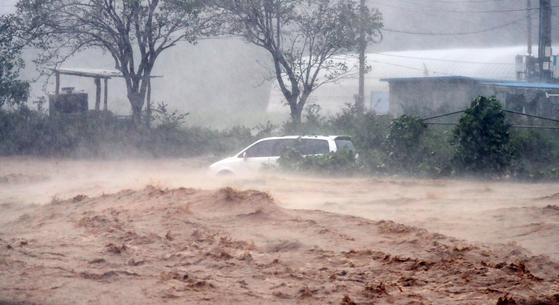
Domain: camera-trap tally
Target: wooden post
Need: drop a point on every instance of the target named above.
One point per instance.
(56, 93)
(544, 45)
(97, 82)
(148, 106)
(360, 103)
(529, 19)
(106, 93)
(57, 89)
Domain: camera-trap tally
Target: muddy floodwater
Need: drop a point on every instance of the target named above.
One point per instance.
(160, 231)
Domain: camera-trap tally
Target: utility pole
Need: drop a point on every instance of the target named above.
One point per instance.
(529, 19)
(544, 44)
(362, 46)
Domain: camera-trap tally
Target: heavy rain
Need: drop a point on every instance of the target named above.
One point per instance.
(279, 152)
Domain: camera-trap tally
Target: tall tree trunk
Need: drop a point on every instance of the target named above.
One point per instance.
(297, 108)
(137, 103)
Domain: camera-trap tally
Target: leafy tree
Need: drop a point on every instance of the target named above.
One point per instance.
(134, 33)
(12, 90)
(481, 138)
(303, 39)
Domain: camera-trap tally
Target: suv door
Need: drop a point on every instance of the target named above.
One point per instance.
(279, 146)
(255, 156)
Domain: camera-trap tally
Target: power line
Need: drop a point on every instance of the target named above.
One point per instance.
(445, 60)
(459, 12)
(494, 11)
(461, 1)
(455, 34)
(408, 67)
(407, 10)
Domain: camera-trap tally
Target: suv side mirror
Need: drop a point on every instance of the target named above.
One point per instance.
(245, 156)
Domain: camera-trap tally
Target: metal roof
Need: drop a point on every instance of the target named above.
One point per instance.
(482, 81)
(103, 73)
(523, 85)
(443, 78)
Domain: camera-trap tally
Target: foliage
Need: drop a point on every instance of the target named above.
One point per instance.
(397, 146)
(313, 123)
(435, 153)
(341, 162)
(24, 131)
(265, 130)
(12, 91)
(134, 33)
(535, 153)
(402, 143)
(367, 130)
(303, 38)
(481, 139)
(168, 120)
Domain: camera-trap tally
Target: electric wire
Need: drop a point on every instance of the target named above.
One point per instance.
(464, 12)
(454, 34)
(408, 67)
(444, 60)
(407, 9)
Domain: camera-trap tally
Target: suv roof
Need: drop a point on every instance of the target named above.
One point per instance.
(308, 136)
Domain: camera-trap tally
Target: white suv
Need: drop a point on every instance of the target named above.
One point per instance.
(268, 151)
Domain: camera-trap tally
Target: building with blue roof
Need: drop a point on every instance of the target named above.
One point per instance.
(426, 96)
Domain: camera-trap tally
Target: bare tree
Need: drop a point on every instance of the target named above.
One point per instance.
(303, 38)
(133, 32)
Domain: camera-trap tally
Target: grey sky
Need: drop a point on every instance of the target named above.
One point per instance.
(7, 6)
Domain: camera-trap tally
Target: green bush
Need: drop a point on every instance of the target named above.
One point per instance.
(101, 135)
(535, 153)
(339, 163)
(435, 153)
(479, 144)
(312, 123)
(402, 145)
(367, 130)
(481, 139)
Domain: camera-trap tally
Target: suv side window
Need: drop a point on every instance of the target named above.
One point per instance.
(262, 149)
(344, 144)
(314, 147)
(281, 145)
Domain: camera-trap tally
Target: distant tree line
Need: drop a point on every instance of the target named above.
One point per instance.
(482, 144)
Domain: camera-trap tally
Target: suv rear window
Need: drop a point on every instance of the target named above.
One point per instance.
(314, 147)
(344, 144)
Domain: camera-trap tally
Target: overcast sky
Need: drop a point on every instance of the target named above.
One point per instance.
(7, 6)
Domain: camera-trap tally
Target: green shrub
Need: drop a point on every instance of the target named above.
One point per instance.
(367, 130)
(101, 135)
(341, 162)
(402, 148)
(481, 139)
(312, 123)
(535, 153)
(435, 153)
